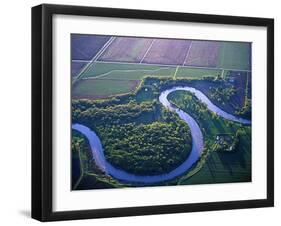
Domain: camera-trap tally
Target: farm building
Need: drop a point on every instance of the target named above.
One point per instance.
(225, 142)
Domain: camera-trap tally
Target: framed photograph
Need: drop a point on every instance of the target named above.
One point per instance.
(147, 112)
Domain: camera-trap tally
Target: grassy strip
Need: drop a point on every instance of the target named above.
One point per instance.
(106, 179)
(175, 74)
(198, 166)
(186, 72)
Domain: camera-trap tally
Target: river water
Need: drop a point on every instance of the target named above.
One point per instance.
(196, 134)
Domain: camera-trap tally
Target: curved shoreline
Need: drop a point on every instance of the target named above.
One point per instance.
(212, 107)
(196, 134)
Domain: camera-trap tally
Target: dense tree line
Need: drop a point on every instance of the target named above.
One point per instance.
(117, 114)
(222, 94)
(84, 104)
(147, 149)
(216, 89)
(188, 102)
(246, 110)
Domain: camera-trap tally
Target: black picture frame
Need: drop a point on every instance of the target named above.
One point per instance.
(42, 108)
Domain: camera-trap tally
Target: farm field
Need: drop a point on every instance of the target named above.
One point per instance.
(76, 68)
(135, 58)
(85, 47)
(226, 167)
(115, 71)
(239, 80)
(172, 52)
(124, 71)
(101, 69)
(203, 53)
(236, 56)
(186, 72)
(139, 74)
(100, 88)
(128, 49)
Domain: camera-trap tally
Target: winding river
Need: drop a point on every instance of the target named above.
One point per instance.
(196, 134)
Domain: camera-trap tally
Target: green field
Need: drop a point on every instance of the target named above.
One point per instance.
(111, 78)
(91, 180)
(138, 71)
(100, 69)
(184, 72)
(226, 167)
(138, 74)
(235, 56)
(100, 88)
(102, 80)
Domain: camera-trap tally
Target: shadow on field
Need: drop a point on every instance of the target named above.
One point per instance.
(232, 160)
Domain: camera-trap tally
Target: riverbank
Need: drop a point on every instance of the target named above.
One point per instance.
(197, 140)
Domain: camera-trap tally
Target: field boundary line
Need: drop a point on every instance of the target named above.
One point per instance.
(136, 63)
(187, 54)
(222, 73)
(147, 51)
(174, 65)
(81, 61)
(175, 74)
(222, 61)
(112, 79)
(192, 61)
(103, 48)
